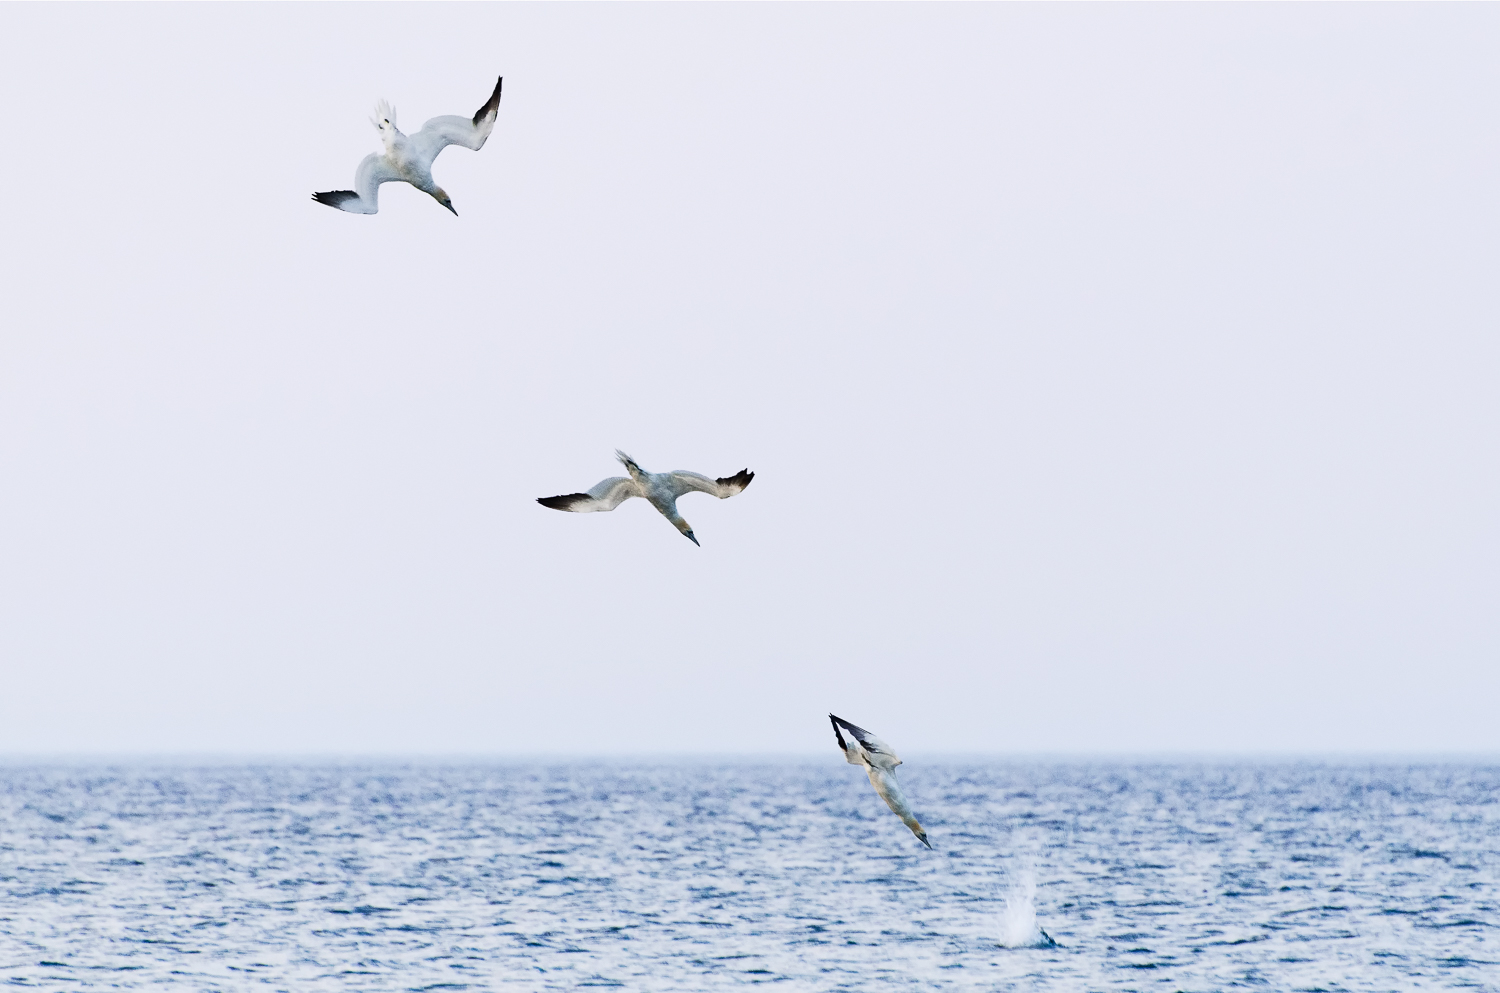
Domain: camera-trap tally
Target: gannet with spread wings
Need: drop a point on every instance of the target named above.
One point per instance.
(661, 488)
(408, 158)
(880, 761)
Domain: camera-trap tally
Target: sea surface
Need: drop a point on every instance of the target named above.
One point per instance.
(706, 876)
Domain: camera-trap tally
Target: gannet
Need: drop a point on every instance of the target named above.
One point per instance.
(880, 761)
(661, 488)
(408, 158)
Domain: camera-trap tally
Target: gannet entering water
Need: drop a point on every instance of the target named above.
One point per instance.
(1018, 926)
(880, 761)
(661, 488)
(408, 159)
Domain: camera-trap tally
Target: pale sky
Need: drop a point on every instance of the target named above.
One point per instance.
(1117, 379)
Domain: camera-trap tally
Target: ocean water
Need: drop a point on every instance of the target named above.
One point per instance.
(702, 876)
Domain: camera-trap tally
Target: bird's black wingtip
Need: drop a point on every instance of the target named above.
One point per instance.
(859, 733)
(335, 198)
(564, 502)
(739, 480)
(491, 105)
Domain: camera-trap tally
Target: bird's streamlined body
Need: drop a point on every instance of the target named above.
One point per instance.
(408, 158)
(661, 489)
(880, 761)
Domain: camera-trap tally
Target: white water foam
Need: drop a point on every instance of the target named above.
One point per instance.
(1018, 926)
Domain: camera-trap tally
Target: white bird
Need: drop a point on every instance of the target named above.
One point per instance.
(661, 488)
(408, 159)
(880, 761)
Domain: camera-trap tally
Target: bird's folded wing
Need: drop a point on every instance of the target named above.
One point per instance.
(881, 755)
(723, 488)
(607, 495)
(890, 791)
(885, 784)
(853, 753)
(450, 129)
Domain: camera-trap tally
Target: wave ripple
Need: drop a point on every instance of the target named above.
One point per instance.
(704, 877)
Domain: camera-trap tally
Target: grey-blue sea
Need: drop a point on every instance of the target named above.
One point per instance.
(708, 875)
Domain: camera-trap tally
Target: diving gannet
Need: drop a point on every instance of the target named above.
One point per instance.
(408, 159)
(880, 761)
(661, 488)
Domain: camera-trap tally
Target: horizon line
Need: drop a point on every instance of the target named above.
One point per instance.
(1177, 757)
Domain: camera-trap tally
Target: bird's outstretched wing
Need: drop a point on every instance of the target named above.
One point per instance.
(880, 755)
(450, 129)
(607, 495)
(723, 488)
(364, 198)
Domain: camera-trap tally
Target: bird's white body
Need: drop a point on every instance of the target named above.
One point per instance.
(408, 158)
(879, 760)
(660, 489)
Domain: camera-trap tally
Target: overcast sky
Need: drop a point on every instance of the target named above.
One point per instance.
(1117, 379)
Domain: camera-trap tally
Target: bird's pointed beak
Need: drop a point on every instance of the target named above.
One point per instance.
(691, 538)
(450, 207)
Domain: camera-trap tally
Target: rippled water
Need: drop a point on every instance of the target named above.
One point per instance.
(706, 876)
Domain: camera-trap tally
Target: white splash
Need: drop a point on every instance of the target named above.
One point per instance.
(1018, 927)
